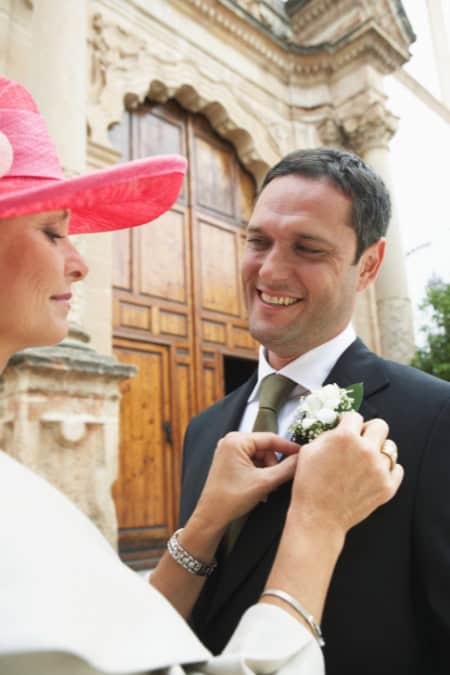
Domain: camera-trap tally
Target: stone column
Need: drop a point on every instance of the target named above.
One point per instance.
(59, 406)
(58, 80)
(369, 128)
(5, 8)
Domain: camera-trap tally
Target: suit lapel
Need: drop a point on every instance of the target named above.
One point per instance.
(233, 407)
(266, 521)
(359, 364)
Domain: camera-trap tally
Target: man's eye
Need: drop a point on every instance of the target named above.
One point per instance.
(309, 250)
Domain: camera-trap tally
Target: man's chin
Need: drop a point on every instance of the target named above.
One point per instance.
(273, 340)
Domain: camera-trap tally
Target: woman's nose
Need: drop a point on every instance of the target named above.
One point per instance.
(76, 266)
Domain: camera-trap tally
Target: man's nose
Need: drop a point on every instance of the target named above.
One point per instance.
(274, 266)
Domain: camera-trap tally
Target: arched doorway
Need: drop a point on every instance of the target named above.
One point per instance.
(178, 315)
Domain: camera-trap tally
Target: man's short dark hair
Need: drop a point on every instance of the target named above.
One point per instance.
(371, 203)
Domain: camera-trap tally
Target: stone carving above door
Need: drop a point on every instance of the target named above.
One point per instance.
(125, 69)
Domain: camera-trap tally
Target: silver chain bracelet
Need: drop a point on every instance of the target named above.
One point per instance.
(186, 560)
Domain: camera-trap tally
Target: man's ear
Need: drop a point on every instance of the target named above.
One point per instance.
(370, 262)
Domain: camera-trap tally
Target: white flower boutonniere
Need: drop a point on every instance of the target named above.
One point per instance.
(320, 410)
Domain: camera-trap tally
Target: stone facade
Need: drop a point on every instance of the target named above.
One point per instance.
(270, 77)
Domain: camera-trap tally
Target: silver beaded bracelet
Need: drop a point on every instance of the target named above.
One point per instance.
(186, 560)
(312, 623)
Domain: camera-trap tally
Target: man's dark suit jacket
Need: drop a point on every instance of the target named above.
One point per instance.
(388, 606)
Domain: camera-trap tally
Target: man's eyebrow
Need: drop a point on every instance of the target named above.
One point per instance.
(300, 236)
(311, 237)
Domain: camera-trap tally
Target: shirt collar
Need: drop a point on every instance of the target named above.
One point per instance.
(310, 369)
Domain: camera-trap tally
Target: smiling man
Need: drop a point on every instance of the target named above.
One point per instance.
(315, 240)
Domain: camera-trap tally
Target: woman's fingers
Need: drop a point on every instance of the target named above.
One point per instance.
(260, 446)
(280, 473)
(343, 476)
(375, 432)
(397, 477)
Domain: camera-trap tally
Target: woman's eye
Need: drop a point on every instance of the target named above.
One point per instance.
(255, 241)
(52, 235)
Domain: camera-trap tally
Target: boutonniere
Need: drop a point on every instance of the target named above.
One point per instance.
(320, 410)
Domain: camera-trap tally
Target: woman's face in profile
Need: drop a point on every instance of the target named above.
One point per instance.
(38, 265)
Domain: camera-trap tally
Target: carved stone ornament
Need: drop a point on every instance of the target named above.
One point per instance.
(319, 21)
(370, 128)
(123, 68)
(330, 132)
(271, 15)
(59, 415)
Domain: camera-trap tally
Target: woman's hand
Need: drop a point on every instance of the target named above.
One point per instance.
(342, 476)
(244, 471)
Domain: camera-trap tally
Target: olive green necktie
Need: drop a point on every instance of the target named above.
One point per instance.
(274, 390)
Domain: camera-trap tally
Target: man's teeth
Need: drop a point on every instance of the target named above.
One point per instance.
(278, 299)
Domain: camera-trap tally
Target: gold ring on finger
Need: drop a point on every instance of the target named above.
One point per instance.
(390, 450)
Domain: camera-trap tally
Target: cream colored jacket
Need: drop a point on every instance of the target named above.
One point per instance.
(68, 606)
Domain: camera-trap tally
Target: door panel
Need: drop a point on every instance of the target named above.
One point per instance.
(161, 249)
(219, 281)
(144, 488)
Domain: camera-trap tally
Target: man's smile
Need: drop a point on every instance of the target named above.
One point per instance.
(284, 300)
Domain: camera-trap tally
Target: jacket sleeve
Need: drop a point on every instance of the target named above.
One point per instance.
(431, 542)
(267, 640)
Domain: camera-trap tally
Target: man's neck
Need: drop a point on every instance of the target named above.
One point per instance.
(279, 361)
(312, 367)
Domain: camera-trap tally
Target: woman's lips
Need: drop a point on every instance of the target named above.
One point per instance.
(64, 297)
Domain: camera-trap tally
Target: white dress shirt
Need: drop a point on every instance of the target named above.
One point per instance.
(309, 370)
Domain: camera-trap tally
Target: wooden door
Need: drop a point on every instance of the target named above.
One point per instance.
(178, 311)
(144, 490)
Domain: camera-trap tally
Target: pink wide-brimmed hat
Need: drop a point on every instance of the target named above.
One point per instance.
(31, 180)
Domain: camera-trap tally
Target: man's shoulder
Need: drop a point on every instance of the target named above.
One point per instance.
(398, 375)
(408, 376)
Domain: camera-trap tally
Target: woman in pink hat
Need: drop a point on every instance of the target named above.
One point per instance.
(68, 606)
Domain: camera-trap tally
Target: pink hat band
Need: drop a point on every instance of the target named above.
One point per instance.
(34, 155)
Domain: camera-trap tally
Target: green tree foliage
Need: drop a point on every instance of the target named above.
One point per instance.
(434, 357)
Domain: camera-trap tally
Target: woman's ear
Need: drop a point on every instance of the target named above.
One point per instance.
(370, 263)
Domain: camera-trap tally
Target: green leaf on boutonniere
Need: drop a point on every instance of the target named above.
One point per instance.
(356, 391)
